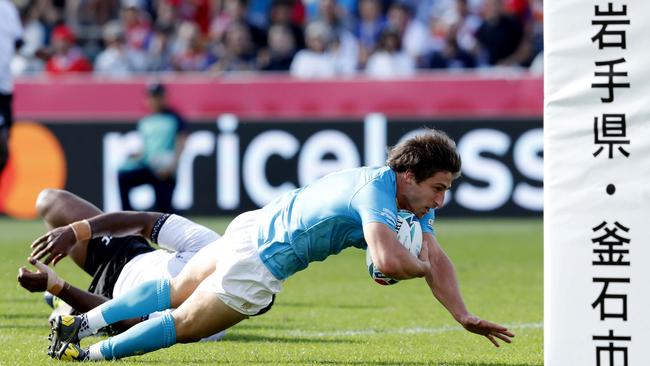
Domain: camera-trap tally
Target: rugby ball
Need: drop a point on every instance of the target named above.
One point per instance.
(409, 234)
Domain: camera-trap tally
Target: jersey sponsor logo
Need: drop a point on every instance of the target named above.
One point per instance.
(390, 216)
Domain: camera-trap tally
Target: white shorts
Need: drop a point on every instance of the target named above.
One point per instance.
(241, 280)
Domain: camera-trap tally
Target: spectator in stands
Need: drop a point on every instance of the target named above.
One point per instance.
(81, 14)
(159, 54)
(166, 16)
(282, 13)
(315, 61)
(257, 13)
(414, 33)
(344, 46)
(368, 28)
(389, 61)
(49, 12)
(234, 11)
(136, 23)
(451, 55)
(520, 9)
(34, 33)
(355, 26)
(195, 11)
(163, 136)
(467, 23)
(191, 53)
(238, 51)
(118, 60)
(501, 36)
(66, 57)
(280, 51)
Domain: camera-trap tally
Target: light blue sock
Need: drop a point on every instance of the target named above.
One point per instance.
(142, 300)
(144, 337)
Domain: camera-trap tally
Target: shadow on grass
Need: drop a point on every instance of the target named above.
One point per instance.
(20, 300)
(280, 339)
(217, 361)
(26, 326)
(24, 316)
(269, 327)
(329, 306)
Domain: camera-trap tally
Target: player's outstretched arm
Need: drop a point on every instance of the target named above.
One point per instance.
(444, 285)
(57, 243)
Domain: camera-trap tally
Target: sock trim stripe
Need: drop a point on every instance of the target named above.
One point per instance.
(169, 330)
(163, 295)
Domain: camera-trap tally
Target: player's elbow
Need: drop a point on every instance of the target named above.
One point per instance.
(46, 200)
(389, 266)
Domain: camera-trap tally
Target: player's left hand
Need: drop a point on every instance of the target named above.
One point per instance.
(43, 279)
(54, 245)
(490, 330)
(32, 281)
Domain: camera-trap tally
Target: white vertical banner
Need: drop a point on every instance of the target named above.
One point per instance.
(597, 183)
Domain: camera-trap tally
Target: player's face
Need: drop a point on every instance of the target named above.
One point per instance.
(419, 198)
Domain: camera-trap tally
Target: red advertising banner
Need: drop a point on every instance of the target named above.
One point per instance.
(84, 98)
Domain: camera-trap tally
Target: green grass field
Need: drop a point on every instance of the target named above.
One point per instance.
(332, 313)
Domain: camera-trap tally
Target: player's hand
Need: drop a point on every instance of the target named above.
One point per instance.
(43, 279)
(32, 281)
(491, 331)
(54, 245)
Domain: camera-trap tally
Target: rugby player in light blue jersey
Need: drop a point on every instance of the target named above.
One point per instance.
(246, 267)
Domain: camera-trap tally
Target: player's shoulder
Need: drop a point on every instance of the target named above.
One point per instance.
(355, 179)
(170, 112)
(375, 184)
(379, 176)
(365, 173)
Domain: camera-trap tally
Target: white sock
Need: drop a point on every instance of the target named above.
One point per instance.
(92, 321)
(94, 354)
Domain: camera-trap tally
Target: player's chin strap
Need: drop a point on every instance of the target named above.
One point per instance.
(54, 282)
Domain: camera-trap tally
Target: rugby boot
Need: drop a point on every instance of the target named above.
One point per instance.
(71, 352)
(64, 329)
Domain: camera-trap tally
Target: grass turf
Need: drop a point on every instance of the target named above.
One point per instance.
(332, 313)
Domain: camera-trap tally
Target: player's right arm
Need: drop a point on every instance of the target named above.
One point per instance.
(390, 256)
(57, 243)
(375, 204)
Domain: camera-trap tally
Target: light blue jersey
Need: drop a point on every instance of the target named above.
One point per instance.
(311, 223)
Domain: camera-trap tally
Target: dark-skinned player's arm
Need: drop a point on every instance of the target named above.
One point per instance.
(56, 243)
(46, 279)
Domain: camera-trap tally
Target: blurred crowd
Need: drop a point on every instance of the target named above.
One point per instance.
(308, 38)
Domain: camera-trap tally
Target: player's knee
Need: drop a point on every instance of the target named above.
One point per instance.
(45, 200)
(180, 289)
(186, 331)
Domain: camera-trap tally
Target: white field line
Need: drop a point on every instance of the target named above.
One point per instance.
(412, 330)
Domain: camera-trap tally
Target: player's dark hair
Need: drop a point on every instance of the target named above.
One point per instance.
(425, 155)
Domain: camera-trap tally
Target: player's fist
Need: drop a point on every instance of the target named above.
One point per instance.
(32, 281)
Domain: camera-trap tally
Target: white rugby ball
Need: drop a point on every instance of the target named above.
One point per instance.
(409, 233)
